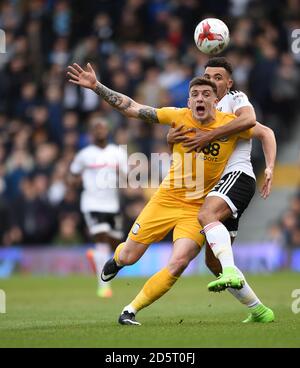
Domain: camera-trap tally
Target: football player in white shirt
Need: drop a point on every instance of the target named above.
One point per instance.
(98, 166)
(224, 205)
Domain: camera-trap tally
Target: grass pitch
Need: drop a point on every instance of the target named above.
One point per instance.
(64, 312)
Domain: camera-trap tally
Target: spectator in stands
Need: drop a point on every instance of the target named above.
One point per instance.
(68, 233)
(146, 50)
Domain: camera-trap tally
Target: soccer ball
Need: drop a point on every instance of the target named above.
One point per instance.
(211, 36)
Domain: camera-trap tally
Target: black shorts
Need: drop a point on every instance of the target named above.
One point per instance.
(100, 222)
(237, 189)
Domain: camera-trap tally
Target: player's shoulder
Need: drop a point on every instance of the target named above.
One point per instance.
(173, 109)
(114, 150)
(222, 116)
(112, 147)
(185, 112)
(87, 151)
(185, 116)
(237, 96)
(168, 115)
(235, 92)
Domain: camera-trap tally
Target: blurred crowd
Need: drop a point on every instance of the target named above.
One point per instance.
(144, 49)
(286, 230)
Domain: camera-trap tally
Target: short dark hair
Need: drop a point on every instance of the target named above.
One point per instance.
(95, 120)
(220, 62)
(200, 81)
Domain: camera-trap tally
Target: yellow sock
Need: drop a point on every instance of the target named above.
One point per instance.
(154, 288)
(117, 252)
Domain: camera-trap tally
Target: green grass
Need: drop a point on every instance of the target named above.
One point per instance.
(64, 312)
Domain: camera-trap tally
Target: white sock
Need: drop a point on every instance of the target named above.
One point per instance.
(101, 256)
(245, 295)
(219, 240)
(129, 309)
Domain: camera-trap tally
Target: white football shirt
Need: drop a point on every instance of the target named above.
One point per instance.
(100, 169)
(240, 160)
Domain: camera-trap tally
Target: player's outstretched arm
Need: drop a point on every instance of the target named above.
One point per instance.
(268, 140)
(128, 107)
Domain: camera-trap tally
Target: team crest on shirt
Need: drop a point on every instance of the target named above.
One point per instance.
(238, 100)
(136, 228)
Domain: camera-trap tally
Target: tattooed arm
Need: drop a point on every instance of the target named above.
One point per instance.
(126, 105)
(120, 102)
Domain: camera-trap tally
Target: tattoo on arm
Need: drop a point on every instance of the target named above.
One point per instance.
(124, 103)
(115, 99)
(148, 114)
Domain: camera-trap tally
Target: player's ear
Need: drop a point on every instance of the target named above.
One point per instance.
(230, 83)
(189, 103)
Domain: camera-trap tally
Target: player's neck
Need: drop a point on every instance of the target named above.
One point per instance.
(210, 118)
(221, 97)
(101, 144)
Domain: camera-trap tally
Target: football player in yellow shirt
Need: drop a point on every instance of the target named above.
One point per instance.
(220, 212)
(176, 203)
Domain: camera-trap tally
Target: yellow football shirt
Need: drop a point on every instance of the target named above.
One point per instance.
(193, 175)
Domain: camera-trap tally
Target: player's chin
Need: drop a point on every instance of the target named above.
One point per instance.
(201, 114)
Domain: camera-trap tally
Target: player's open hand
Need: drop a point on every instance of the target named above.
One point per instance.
(82, 78)
(199, 141)
(178, 135)
(266, 188)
